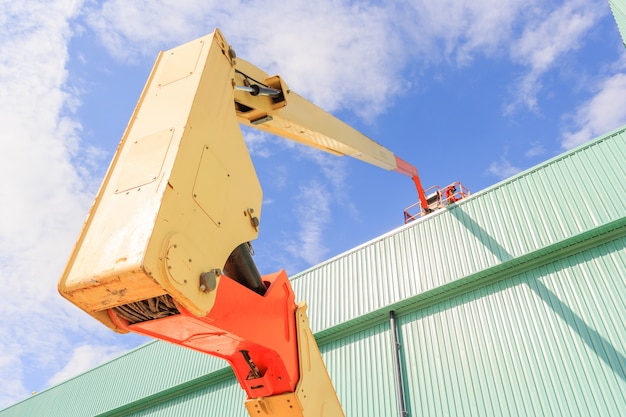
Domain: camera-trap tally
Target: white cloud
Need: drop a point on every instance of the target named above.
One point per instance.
(133, 30)
(536, 149)
(503, 168)
(333, 168)
(318, 45)
(257, 143)
(458, 30)
(335, 172)
(36, 159)
(84, 358)
(605, 111)
(313, 214)
(545, 41)
(11, 366)
(44, 199)
(312, 48)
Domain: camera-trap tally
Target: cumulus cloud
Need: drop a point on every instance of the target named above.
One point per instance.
(605, 111)
(544, 41)
(328, 39)
(313, 214)
(257, 143)
(460, 30)
(312, 47)
(11, 365)
(536, 149)
(503, 168)
(44, 197)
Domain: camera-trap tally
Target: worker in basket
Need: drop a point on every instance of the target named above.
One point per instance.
(450, 194)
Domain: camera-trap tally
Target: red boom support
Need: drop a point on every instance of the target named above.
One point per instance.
(255, 333)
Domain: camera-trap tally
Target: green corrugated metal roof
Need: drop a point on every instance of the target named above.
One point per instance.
(511, 290)
(618, 7)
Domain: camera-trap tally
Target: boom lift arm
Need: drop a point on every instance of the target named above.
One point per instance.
(164, 251)
(304, 122)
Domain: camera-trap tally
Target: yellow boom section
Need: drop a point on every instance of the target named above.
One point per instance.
(267, 104)
(293, 117)
(181, 195)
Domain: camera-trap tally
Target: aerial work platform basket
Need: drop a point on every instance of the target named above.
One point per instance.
(437, 198)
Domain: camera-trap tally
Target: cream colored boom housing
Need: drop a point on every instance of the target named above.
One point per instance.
(181, 192)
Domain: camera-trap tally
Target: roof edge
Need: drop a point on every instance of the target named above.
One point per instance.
(513, 267)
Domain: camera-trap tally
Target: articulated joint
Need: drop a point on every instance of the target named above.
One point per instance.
(315, 395)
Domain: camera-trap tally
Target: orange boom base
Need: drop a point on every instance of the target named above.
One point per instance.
(255, 333)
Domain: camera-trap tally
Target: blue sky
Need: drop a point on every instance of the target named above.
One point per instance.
(465, 90)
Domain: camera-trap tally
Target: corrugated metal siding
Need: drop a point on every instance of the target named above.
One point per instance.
(547, 342)
(580, 192)
(150, 370)
(511, 303)
(618, 7)
(361, 368)
(214, 400)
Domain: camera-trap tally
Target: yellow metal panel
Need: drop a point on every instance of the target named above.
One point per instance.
(315, 395)
(304, 122)
(284, 405)
(315, 389)
(165, 213)
(212, 187)
(180, 63)
(143, 161)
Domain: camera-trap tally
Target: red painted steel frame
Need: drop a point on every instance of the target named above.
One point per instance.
(405, 168)
(240, 320)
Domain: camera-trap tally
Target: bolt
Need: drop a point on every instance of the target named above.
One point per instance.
(208, 280)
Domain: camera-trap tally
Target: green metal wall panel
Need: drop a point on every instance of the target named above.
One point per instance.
(361, 368)
(547, 342)
(143, 376)
(217, 399)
